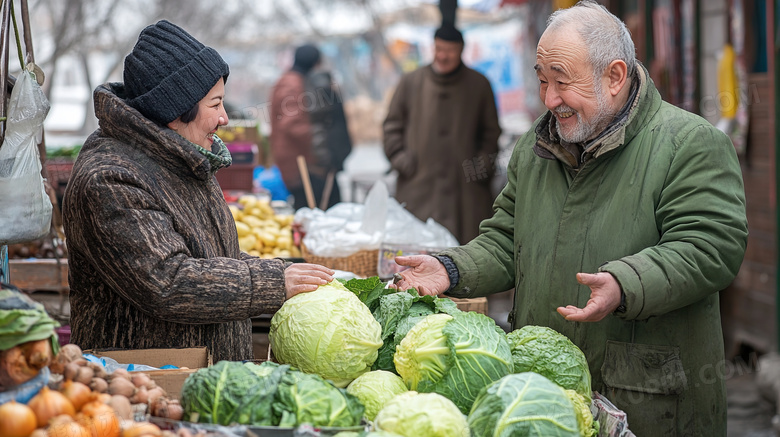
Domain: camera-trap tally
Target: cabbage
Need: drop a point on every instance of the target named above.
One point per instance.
(328, 332)
(413, 414)
(375, 388)
(455, 356)
(551, 354)
(366, 434)
(523, 404)
(229, 392)
(306, 398)
(266, 395)
(588, 427)
(398, 313)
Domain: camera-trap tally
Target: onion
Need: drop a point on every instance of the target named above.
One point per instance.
(70, 371)
(140, 379)
(154, 394)
(141, 396)
(68, 354)
(85, 375)
(121, 373)
(99, 419)
(99, 385)
(137, 429)
(121, 406)
(168, 409)
(66, 427)
(49, 403)
(77, 393)
(16, 420)
(121, 386)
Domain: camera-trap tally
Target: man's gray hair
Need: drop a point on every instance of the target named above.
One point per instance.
(605, 35)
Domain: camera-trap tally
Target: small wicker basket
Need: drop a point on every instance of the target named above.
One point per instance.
(362, 263)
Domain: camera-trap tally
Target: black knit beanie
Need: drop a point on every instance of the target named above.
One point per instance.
(306, 57)
(448, 32)
(169, 71)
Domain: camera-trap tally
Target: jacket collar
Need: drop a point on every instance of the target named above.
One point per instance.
(120, 121)
(644, 101)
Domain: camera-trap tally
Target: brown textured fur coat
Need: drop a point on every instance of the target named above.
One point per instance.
(153, 251)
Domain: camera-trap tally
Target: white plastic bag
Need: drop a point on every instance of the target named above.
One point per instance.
(25, 208)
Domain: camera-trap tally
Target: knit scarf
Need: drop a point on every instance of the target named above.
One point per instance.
(219, 156)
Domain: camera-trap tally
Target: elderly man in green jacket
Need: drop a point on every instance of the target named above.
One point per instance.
(622, 218)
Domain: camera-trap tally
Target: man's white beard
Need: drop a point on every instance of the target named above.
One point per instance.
(586, 130)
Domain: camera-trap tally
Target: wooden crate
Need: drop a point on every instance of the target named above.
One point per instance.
(478, 304)
(39, 274)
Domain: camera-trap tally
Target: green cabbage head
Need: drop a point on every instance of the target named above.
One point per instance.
(413, 414)
(375, 388)
(453, 355)
(588, 426)
(366, 434)
(328, 332)
(551, 354)
(523, 404)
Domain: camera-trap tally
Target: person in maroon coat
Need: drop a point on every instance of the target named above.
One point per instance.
(307, 119)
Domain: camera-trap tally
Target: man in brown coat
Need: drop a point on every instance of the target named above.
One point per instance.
(441, 135)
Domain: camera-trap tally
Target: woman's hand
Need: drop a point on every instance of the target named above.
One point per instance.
(427, 274)
(303, 277)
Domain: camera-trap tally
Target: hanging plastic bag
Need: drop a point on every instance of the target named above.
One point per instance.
(25, 208)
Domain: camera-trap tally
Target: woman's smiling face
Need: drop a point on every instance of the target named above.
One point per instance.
(568, 88)
(211, 115)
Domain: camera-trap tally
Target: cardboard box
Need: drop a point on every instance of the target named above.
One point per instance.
(478, 304)
(170, 380)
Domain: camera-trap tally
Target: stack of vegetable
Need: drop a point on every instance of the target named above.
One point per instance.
(88, 402)
(64, 395)
(27, 339)
(266, 395)
(262, 232)
(414, 366)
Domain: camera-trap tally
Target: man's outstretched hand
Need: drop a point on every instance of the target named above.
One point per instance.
(604, 298)
(426, 274)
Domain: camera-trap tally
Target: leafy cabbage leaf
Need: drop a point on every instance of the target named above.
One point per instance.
(551, 354)
(588, 427)
(523, 404)
(398, 313)
(228, 392)
(455, 356)
(368, 290)
(307, 398)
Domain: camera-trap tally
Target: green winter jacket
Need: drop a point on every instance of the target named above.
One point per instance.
(659, 203)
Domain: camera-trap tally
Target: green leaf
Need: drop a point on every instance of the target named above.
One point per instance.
(398, 313)
(551, 354)
(524, 404)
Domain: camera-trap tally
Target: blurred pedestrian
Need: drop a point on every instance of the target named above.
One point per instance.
(153, 253)
(307, 119)
(622, 219)
(441, 136)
